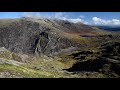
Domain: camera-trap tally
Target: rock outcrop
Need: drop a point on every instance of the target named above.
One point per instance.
(42, 36)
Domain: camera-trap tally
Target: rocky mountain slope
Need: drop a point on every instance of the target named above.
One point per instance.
(36, 36)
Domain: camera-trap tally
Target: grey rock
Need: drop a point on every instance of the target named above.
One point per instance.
(12, 62)
(39, 36)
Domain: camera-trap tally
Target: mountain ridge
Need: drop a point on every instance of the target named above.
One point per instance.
(30, 35)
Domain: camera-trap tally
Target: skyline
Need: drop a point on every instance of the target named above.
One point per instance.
(90, 18)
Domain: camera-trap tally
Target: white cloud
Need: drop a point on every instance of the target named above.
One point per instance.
(64, 16)
(99, 21)
(57, 15)
(31, 14)
(35, 15)
(76, 20)
(81, 16)
(60, 15)
(86, 22)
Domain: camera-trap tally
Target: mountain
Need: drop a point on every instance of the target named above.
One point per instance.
(109, 28)
(51, 48)
(44, 36)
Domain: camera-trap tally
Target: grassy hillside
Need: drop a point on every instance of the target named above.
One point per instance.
(41, 67)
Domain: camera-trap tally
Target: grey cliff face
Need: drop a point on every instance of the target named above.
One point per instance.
(36, 36)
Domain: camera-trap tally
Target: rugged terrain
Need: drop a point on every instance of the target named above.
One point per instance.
(50, 48)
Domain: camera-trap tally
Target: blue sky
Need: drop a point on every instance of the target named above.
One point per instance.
(97, 18)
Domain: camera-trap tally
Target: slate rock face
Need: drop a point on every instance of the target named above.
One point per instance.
(36, 36)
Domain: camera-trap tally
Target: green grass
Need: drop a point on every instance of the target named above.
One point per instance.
(16, 57)
(5, 23)
(51, 68)
(10, 56)
(5, 55)
(45, 67)
(46, 64)
(24, 72)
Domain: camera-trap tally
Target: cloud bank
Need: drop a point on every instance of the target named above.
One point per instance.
(58, 15)
(99, 21)
(34, 15)
(65, 16)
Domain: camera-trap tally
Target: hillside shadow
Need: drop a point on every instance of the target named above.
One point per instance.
(88, 66)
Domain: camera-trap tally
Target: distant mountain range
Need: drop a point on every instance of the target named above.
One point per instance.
(109, 28)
